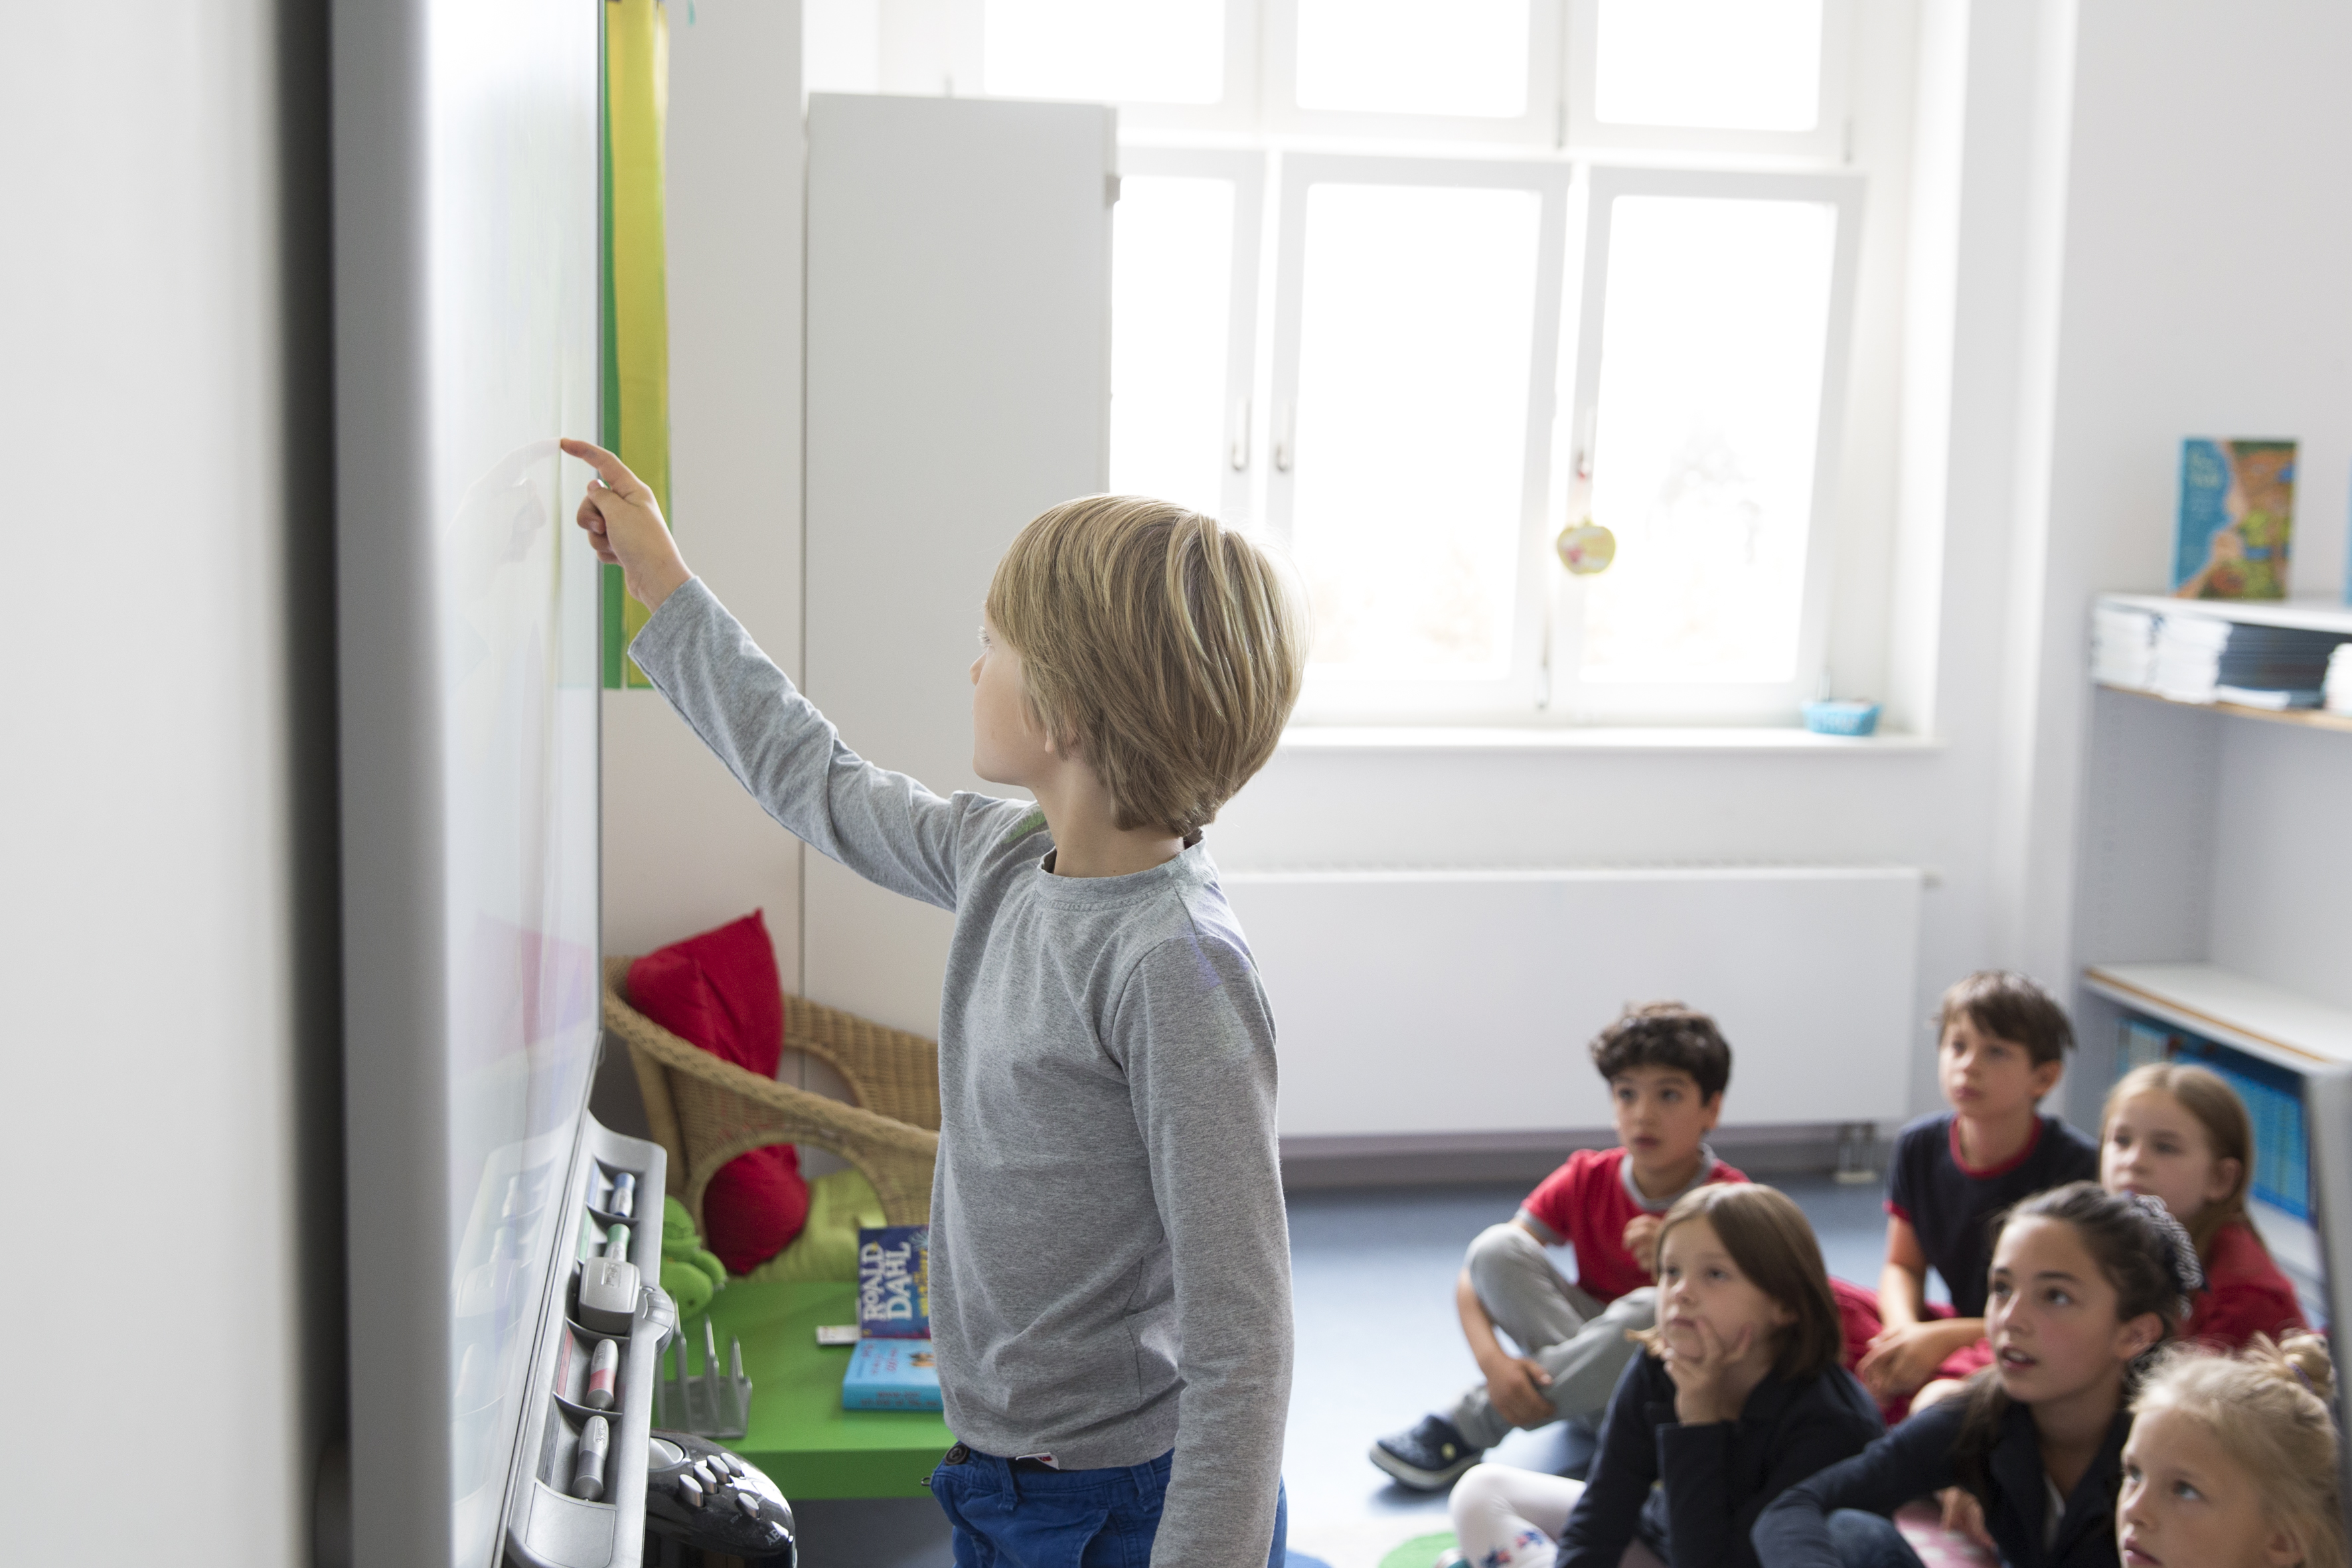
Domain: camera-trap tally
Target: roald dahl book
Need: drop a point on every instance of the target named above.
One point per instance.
(894, 1289)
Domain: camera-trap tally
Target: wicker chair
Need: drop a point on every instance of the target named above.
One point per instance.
(705, 1112)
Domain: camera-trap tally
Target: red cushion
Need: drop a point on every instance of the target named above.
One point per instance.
(721, 991)
(754, 1206)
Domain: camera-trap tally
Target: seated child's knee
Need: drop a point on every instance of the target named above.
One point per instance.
(1862, 1539)
(1507, 1244)
(1478, 1487)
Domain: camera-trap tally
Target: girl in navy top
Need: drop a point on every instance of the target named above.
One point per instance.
(1741, 1395)
(2084, 1284)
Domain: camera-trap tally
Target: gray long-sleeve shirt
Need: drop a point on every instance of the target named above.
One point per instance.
(1110, 1264)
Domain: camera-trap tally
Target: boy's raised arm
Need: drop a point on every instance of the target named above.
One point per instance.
(883, 826)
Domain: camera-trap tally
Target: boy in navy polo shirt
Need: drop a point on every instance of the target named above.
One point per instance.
(1666, 1068)
(2002, 1047)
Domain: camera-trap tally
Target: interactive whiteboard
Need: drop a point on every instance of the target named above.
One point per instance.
(465, 342)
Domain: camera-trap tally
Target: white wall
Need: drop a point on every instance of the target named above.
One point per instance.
(2208, 228)
(685, 848)
(147, 945)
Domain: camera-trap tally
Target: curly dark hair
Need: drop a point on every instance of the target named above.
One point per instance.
(1666, 1035)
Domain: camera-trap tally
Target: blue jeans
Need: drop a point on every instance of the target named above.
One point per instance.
(1869, 1541)
(1008, 1518)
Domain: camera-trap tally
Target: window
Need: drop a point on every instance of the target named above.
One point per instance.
(1711, 76)
(1122, 51)
(1412, 285)
(1418, 311)
(1706, 390)
(1185, 305)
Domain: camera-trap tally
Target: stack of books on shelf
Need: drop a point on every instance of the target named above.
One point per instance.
(2336, 690)
(2203, 658)
(893, 1367)
(2122, 646)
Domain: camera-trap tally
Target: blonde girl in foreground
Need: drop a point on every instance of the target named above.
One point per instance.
(2232, 1462)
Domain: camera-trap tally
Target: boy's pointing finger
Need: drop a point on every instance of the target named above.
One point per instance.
(609, 468)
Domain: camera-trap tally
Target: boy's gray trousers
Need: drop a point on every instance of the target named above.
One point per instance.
(1571, 1336)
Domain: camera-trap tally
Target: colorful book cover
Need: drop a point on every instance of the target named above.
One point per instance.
(2237, 520)
(893, 1282)
(891, 1374)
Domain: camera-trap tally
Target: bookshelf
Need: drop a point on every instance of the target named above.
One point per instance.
(2306, 718)
(2250, 1016)
(2214, 898)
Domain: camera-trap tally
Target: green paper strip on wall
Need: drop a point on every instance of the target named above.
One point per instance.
(637, 309)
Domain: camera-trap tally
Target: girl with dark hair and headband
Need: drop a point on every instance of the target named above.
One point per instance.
(2085, 1284)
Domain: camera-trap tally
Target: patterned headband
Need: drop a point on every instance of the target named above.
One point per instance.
(2180, 1252)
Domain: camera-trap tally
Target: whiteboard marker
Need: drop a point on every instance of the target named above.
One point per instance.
(603, 1367)
(588, 1471)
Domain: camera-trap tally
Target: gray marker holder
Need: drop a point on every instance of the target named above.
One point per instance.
(547, 1527)
(708, 1404)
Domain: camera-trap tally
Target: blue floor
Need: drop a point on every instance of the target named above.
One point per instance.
(1379, 1345)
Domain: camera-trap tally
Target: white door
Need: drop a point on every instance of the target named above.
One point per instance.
(959, 384)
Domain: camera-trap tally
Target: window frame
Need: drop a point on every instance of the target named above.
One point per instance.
(1246, 172)
(1259, 140)
(1828, 143)
(1516, 694)
(1567, 696)
(1542, 125)
(1236, 114)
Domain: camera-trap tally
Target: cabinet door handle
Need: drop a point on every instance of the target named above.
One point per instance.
(1285, 415)
(1238, 445)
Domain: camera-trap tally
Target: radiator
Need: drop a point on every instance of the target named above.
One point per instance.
(1458, 1002)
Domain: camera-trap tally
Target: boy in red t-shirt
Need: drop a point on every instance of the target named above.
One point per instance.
(1666, 1068)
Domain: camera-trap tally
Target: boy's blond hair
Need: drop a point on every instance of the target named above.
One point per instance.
(1167, 649)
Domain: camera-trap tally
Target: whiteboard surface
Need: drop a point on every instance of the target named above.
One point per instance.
(465, 279)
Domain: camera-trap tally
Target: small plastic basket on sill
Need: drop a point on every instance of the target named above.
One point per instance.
(1842, 717)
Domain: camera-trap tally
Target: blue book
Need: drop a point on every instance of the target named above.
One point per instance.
(2237, 520)
(891, 1374)
(893, 1282)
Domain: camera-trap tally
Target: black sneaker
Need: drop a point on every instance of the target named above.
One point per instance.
(1428, 1458)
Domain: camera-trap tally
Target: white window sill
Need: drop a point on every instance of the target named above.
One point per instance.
(1592, 738)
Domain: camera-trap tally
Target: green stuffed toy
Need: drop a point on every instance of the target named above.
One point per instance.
(689, 1273)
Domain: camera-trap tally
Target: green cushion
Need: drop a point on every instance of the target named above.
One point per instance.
(826, 1247)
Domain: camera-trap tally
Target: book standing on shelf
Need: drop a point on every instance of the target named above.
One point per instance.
(2237, 519)
(893, 1290)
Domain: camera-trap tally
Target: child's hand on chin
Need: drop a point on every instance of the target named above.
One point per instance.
(625, 527)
